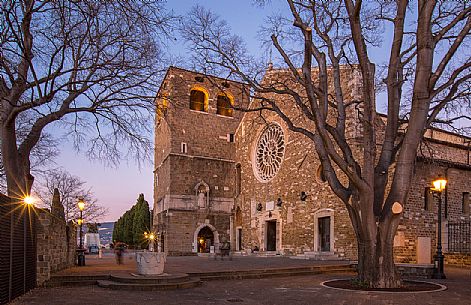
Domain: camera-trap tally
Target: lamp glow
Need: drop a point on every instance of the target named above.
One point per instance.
(151, 236)
(28, 200)
(439, 184)
(81, 204)
(80, 221)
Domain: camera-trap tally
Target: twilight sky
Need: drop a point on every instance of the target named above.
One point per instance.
(118, 188)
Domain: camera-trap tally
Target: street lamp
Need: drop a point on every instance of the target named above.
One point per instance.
(438, 187)
(81, 250)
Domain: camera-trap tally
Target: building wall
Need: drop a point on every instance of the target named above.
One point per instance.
(182, 227)
(233, 199)
(207, 162)
(56, 244)
(297, 220)
(417, 222)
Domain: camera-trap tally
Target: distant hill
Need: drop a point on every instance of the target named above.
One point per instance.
(106, 232)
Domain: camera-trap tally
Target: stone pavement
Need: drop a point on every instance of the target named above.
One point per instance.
(281, 290)
(193, 264)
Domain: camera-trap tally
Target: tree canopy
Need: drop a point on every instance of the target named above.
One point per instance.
(88, 67)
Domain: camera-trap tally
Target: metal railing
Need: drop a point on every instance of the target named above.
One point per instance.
(459, 237)
(17, 249)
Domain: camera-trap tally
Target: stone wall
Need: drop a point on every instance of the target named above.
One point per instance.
(418, 222)
(194, 154)
(458, 259)
(297, 221)
(56, 244)
(181, 228)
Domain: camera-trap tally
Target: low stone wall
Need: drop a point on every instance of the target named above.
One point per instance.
(56, 244)
(415, 270)
(458, 259)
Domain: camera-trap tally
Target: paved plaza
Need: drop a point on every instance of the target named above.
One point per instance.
(279, 290)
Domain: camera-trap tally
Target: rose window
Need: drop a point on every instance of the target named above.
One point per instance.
(269, 152)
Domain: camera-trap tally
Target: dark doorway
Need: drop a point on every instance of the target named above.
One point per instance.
(271, 235)
(239, 239)
(324, 233)
(205, 240)
(162, 242)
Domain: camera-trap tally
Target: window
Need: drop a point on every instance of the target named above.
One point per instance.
(198, 100)
(184, 148)
(269, 153)
(224, 105)
(238, 179)
(162, 106)
(466, 203)
(230, 137)
(428, 196)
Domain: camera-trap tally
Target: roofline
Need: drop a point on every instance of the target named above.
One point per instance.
(434, 128)
(195, 72)
(445, 163)
(204, 74)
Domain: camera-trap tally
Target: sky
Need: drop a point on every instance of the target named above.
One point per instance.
(118, 188)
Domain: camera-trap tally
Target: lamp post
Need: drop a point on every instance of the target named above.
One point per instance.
(81, 250)
(438, 187)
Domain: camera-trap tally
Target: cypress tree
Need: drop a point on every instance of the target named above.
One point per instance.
(141, 220)
(131, 226)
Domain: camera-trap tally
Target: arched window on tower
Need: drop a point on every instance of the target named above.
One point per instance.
(198, 100)
(224, 105)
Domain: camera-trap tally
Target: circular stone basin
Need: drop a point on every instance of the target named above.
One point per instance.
(408, 286)
(150, 263)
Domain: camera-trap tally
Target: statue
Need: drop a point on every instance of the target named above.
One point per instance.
(201, 199)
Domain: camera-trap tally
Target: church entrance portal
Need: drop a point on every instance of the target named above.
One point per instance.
(205, 240)
(271, 235)
(324, 233)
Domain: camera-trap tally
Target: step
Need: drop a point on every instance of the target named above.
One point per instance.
(74, 280)
(320, 256)
(264, 273)
(146, 279)
(189, 283)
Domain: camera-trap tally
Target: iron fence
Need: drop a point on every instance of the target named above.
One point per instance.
(17, 249)
(459, 237)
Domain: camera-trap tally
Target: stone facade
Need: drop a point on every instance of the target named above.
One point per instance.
(56, 242)
(293, 211)
(194, 161)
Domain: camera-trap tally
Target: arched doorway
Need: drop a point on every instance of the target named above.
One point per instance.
(205, 240)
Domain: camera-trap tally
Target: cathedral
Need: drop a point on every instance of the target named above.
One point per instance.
(222, 174)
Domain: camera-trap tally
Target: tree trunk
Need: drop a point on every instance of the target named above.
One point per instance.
(19, 179)
(376, 266)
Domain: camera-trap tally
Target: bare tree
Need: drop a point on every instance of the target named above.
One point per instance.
(70, 189)
(42, 155)
(425, 74)
(87, 68)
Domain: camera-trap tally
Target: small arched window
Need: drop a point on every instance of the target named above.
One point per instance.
(224, 105)
(198, 100)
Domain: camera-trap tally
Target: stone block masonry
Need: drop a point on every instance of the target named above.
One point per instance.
(56, 244)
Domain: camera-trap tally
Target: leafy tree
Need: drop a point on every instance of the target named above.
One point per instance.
(427, 79)
(88, 67)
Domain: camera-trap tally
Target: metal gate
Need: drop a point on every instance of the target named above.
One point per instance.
(459, 237)
(17, 249)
